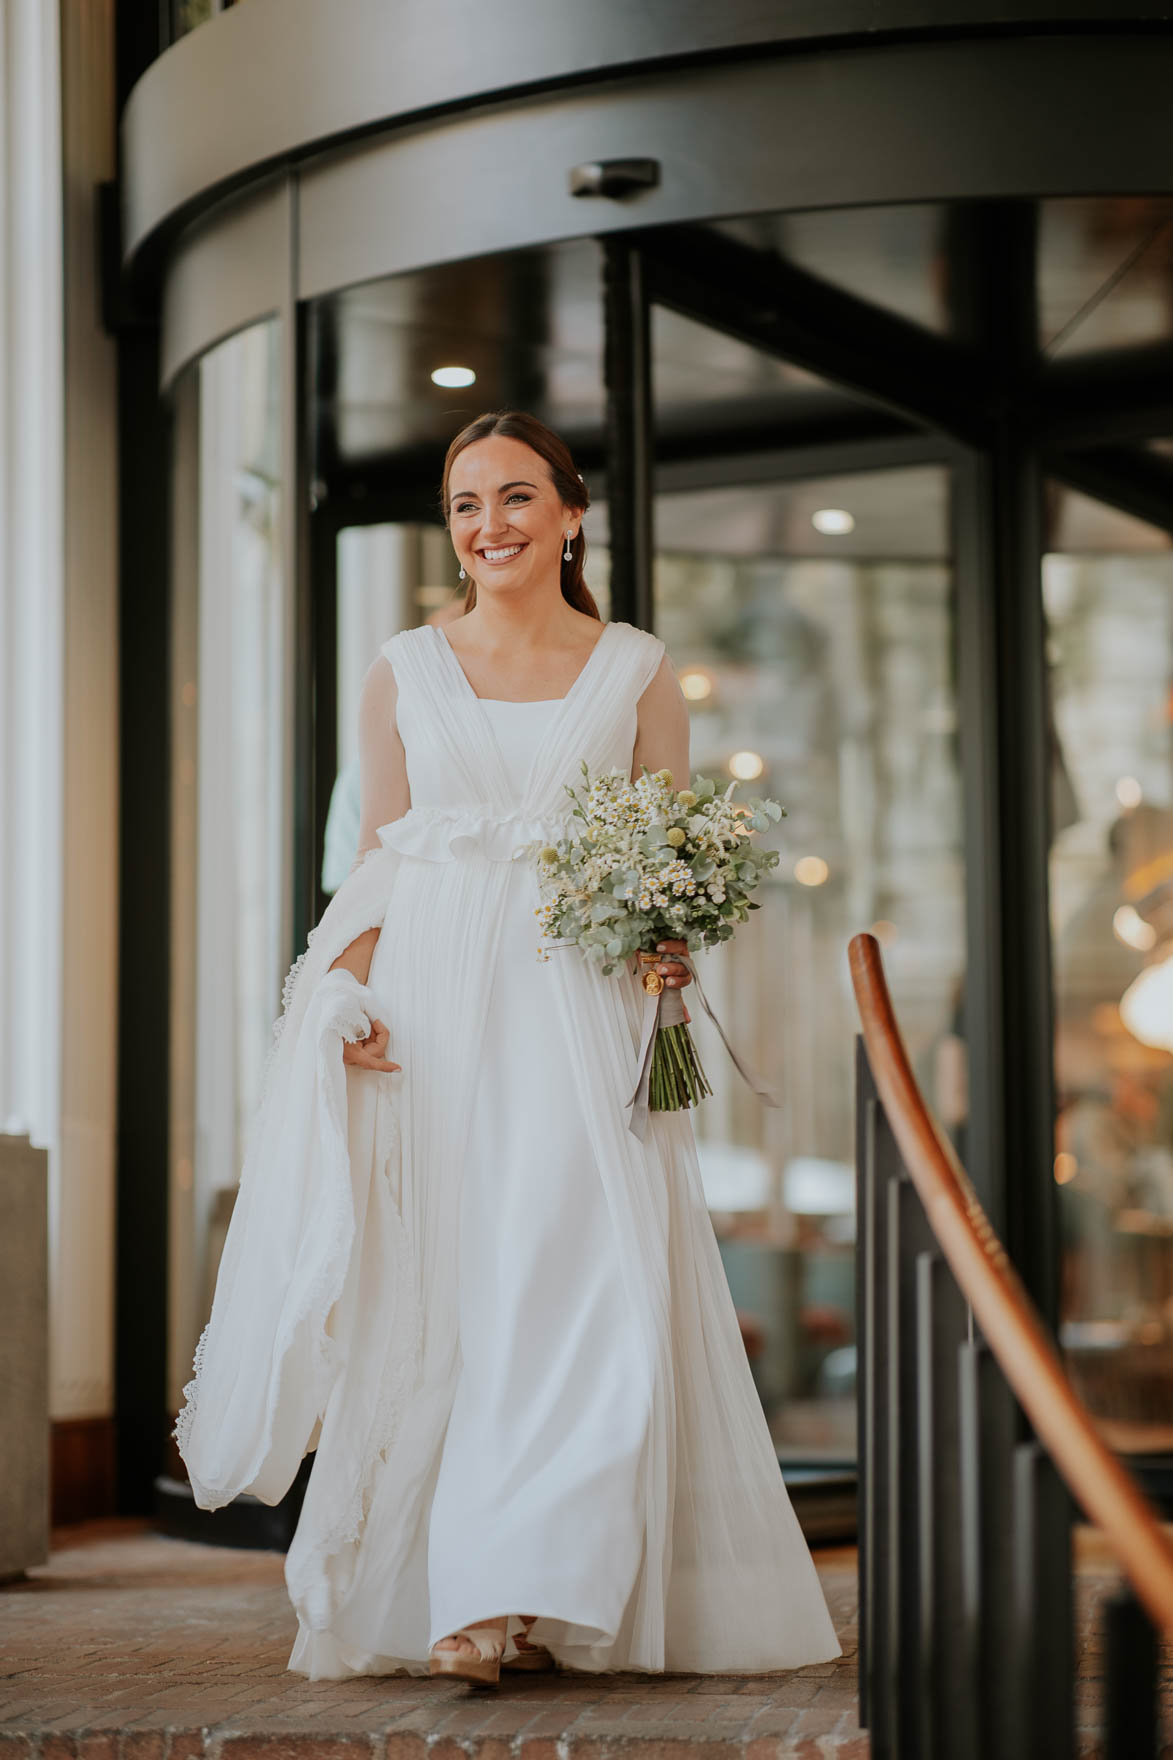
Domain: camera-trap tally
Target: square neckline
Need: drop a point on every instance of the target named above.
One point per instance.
(553, 724)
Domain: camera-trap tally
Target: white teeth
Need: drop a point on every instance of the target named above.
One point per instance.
(502, 555)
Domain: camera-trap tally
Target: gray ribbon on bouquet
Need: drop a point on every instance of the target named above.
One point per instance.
(666, 1009)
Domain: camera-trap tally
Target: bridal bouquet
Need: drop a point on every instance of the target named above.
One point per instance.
(648, 863)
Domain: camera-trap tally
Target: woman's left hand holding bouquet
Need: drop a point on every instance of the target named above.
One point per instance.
(674, 974)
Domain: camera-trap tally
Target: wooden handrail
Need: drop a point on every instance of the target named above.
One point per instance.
(1009, 1320)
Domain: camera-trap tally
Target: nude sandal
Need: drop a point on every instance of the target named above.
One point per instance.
(529, 1656)
(484, 1668)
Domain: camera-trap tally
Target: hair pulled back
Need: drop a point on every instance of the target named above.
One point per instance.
(513, 424)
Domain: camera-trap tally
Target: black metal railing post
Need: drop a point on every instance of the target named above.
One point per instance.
(942, 1325)
(866, 1103)
(966, 1633)
(1043, 1627)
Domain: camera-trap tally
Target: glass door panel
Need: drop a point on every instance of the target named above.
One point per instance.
(1108, 596)
(390, 576)
(231, 732)
(811, 624)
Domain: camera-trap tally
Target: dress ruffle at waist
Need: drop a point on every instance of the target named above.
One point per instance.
(448, 834)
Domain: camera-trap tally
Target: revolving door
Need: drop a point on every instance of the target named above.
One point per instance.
(881, 453)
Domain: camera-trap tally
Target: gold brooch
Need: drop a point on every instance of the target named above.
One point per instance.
(652, 981)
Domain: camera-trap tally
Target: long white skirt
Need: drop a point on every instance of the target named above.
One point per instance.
(537, 1503)
(534, 1502)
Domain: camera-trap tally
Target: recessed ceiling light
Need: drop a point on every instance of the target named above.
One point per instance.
(833, 522)
(452, 378)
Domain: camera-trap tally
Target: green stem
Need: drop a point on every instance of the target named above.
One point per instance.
(677, 1079)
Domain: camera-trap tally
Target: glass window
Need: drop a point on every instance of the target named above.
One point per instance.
(231, 633)
(819, 667)
(186, 15)
(390, 577)
(1110, 621)
(891, 256)
(1103, 264)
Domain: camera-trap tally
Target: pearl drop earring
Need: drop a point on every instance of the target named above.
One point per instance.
(566, 554)
(460, 576)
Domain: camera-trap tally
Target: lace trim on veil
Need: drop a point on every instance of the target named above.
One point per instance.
(359, 904)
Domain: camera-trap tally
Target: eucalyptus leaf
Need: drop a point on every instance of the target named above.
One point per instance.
(604, 909)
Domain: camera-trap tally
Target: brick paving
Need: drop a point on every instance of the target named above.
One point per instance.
(129, 1645)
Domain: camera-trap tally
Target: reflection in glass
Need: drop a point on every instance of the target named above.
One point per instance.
(390, 577)
(231, 794)
(528, 323)
(1104, 272)
(892, 257)
(187, 15)
(820, 669)
(1111, 643)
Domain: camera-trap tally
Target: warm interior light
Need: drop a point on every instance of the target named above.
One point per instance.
(885, 932)
(1129, 792)
(810, 870)
(1131, 928)
(833, 522)
(746, 765)
(1146, 1007)
(1066, 1167)
(452, 378)
(696, 684)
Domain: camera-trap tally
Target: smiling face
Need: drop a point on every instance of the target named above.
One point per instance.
(507, 520)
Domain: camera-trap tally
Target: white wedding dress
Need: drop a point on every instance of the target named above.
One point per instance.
(498, 1314)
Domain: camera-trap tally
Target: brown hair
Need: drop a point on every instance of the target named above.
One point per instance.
(514, 424)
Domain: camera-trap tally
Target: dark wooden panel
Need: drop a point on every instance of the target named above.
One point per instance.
(81, 1469)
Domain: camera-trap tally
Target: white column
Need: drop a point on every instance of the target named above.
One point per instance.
(82, 1273)
(58, 663)
(31, 571)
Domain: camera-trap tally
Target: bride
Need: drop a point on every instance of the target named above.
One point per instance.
(497, 1315)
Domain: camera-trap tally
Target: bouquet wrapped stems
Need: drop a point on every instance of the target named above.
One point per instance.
(676, 1078)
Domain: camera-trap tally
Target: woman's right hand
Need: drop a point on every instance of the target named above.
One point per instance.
(368, 1053)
